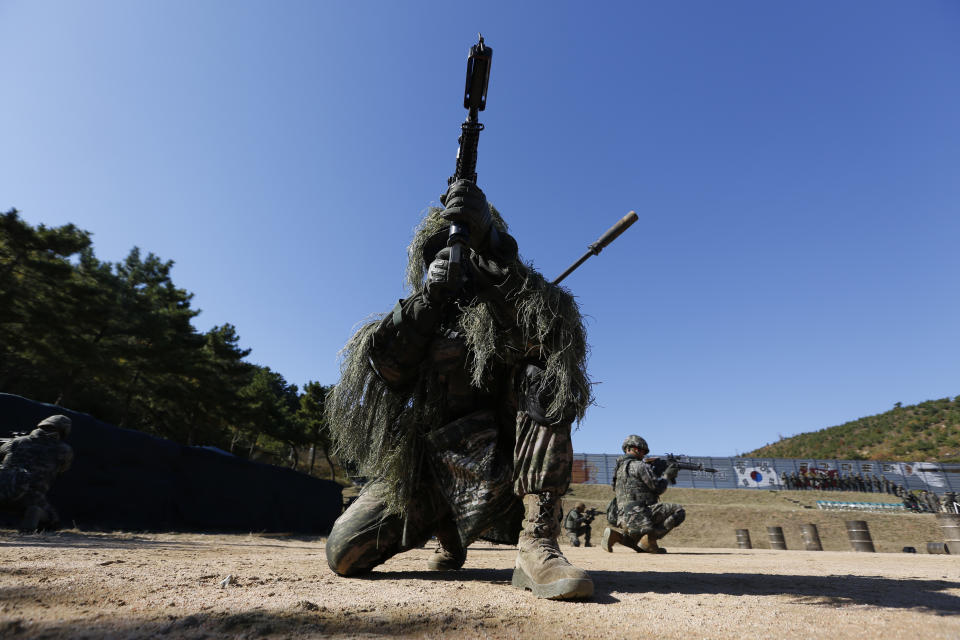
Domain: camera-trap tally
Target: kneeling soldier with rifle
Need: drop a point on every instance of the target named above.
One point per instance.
(577, 523)
(637, 517)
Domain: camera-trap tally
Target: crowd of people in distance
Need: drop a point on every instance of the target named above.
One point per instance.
(917, 500)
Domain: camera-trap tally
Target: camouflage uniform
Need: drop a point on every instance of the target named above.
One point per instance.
(639, 510)
(487, 441)
(28, 467)
(576, 525)
(472, 481)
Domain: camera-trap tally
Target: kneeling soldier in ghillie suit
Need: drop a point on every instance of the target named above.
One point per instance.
(577, 523)
(459, 405)
(637, 516)
(28, 466)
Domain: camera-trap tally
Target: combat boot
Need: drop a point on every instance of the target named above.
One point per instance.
(541, 567)
(610, 538)
(449, 554)
(445, 560)
(648, 544)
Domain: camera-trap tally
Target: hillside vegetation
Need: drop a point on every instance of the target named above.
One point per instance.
(926, 432)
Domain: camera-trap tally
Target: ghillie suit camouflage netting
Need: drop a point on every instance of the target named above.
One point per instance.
(382, 431)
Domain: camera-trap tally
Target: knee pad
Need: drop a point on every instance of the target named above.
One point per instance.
(676, 519)
(635, 533)
(339, 551)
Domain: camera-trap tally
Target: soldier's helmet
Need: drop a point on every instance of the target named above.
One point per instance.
(635, 441)
(580, 506)
(60, 424)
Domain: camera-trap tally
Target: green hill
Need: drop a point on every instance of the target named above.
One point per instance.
(926, 432)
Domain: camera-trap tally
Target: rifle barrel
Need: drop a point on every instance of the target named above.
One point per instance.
(594, 249)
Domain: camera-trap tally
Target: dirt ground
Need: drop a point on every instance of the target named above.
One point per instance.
(714, 515)
(113, 585)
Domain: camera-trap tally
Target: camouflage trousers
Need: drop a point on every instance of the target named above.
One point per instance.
(542, 457)
(14, 484)
(368, 534)
(638, 519)
(17, 493)
(574, 535)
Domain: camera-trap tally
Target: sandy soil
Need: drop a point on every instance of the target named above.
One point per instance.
(93, 585)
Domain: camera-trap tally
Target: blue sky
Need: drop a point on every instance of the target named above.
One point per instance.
(794, 166)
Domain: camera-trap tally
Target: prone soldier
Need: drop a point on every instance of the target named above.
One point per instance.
(28, 467)
(637, 517)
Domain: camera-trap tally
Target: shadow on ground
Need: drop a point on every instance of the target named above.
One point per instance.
(492, 576)
(62, 539)
(308, 619)
(826, 591)
(305, 620)
(120, 541)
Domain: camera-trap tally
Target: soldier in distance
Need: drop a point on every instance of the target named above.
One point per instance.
(637, 517)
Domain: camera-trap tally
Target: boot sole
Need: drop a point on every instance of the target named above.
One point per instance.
(566, 589)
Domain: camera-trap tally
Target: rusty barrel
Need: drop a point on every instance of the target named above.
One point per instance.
(937, 547)
(811, 537)
(859, 535)
(950, 525)
(743, 539)
(776, 538)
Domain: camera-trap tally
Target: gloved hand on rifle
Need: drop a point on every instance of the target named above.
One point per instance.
(438, 288)
(489, 281)
(671, 473)
(466, 205)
